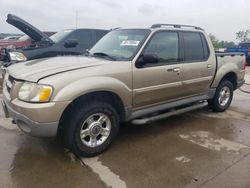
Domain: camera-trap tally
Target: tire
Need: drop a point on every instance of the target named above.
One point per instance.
(97, 133)
(221, 102)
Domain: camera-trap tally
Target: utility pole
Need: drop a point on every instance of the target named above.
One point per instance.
(76, 18)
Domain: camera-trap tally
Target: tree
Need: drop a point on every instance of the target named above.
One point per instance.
(214, 40)
(243, 36)
(226, 44)
(220, 44)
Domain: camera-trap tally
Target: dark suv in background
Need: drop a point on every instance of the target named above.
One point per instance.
(243, 47)
(66, 42)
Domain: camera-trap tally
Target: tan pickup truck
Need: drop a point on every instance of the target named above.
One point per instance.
(137, 75)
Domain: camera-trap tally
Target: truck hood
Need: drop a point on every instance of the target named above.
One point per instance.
(28, 29)
(40, 68)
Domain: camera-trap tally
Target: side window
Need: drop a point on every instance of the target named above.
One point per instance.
(193, 48)
(82, 36)
(99, 34)
(165, 45)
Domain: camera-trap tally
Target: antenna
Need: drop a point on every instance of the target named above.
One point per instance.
(76, 18)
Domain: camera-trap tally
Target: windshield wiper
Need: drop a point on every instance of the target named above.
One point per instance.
(101, 54)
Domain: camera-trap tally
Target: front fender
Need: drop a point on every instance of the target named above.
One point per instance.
(93, 84)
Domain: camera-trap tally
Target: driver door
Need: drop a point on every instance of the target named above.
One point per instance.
(160, 81)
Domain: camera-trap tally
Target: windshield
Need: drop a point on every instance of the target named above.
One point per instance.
(58, 37)
(120, 44)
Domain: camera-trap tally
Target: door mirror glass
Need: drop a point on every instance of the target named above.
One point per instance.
(150, 58)
(70, 43)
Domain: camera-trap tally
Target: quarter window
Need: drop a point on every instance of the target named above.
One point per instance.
(193, 48)
(205, 46)
(165, 46)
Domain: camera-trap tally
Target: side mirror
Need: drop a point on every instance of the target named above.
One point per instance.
(147, 59)
(70, 43)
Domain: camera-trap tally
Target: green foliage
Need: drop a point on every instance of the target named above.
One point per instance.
(243, 36)
(221, 44)
(214, 40)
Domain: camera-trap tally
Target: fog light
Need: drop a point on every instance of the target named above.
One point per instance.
(23, 126)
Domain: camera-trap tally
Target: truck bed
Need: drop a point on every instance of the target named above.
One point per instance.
(236, 61)
(245, 50)
(237, 58)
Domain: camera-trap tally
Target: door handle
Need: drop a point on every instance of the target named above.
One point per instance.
(209, 66)
(176, 69)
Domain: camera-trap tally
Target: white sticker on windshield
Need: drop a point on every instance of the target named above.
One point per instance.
(130, 43)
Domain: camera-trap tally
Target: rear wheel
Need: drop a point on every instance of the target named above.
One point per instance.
(223, 97)
(91, 129)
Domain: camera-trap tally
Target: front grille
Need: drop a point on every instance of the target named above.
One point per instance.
(8, 89)
(9, 83)
(4, 55)
(11, 79)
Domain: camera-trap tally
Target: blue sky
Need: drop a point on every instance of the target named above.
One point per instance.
(221, 17)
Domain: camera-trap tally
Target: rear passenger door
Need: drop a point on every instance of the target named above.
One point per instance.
(197, 73)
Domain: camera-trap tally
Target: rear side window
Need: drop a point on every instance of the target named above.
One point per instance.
(205, 47)
(193, 46)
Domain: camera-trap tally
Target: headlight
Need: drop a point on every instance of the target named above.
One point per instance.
(32, 92)
(17, 56)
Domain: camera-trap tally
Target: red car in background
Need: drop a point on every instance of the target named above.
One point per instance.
(20, 43)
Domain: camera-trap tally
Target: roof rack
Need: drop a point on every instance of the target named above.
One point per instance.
(176, 26)
(116, 28)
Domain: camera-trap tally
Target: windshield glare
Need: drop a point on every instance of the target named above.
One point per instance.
(121, 44)
(59, 36)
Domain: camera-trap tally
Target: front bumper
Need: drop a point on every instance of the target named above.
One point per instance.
(36, 119)
(29, 126)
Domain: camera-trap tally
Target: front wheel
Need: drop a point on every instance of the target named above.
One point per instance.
(91, 129)
(223, 97)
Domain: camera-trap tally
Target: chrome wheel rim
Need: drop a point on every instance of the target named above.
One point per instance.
(224, 96)
(95, 130)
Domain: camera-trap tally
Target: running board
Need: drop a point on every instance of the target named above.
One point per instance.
(170, 113)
